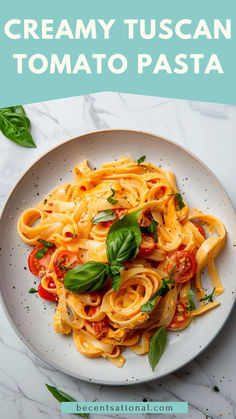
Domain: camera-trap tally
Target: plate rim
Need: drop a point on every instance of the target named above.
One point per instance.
(2, 302)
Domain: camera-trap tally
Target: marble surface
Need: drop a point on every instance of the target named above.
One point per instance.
(208, 130)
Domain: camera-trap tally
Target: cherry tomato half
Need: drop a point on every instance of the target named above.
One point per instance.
(38, 267)
(50, 281)
(180, 317)
(46, 295)
(118, 212)
(146, 246)
(200, 229)
(185, 266)
(64, 261)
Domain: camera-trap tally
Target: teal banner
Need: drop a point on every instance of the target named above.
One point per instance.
(157, 408)
(173, 48)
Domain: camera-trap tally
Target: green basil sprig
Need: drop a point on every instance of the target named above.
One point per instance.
(192, 305)
(161, 292)
(15, 125)
(63, 397)
(103, 216)
(157, 347)
(123, 242)
(179, 199)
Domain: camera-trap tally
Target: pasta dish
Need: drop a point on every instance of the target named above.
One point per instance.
(121, 255)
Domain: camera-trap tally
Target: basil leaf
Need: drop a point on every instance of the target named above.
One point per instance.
(114, 273)
(152, 228)
(63, 397)
(161, 292)
(208, 297)
(47, 244)
(33, 291)
(60, 395)
(154, 236)
(192, 305)
(87, 277)
(127, 220)
(124, 238)
(157, 347)
(115, 281)
(103, 216)
(115, 269)
(123, 247)
(141, 160)
(179, 199)
(41, 252)
(110, 198)
(15, 125)
(150, 304)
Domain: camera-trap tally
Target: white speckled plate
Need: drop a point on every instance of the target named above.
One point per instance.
(31, 317)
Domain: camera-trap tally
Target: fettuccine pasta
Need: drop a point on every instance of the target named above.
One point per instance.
(146, 275)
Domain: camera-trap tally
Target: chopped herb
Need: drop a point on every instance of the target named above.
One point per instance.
(45, 201)
(33, 291)
(152, 228)
(161, 292)
(41, 252)
(48, 244)
(171, 274)
(192, 306)
(216, 389)
(141, 160)
(110, 198)
(63, 268)
(179, 199)
(208, 297)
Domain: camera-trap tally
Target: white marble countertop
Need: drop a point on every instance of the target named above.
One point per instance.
(208, 130)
